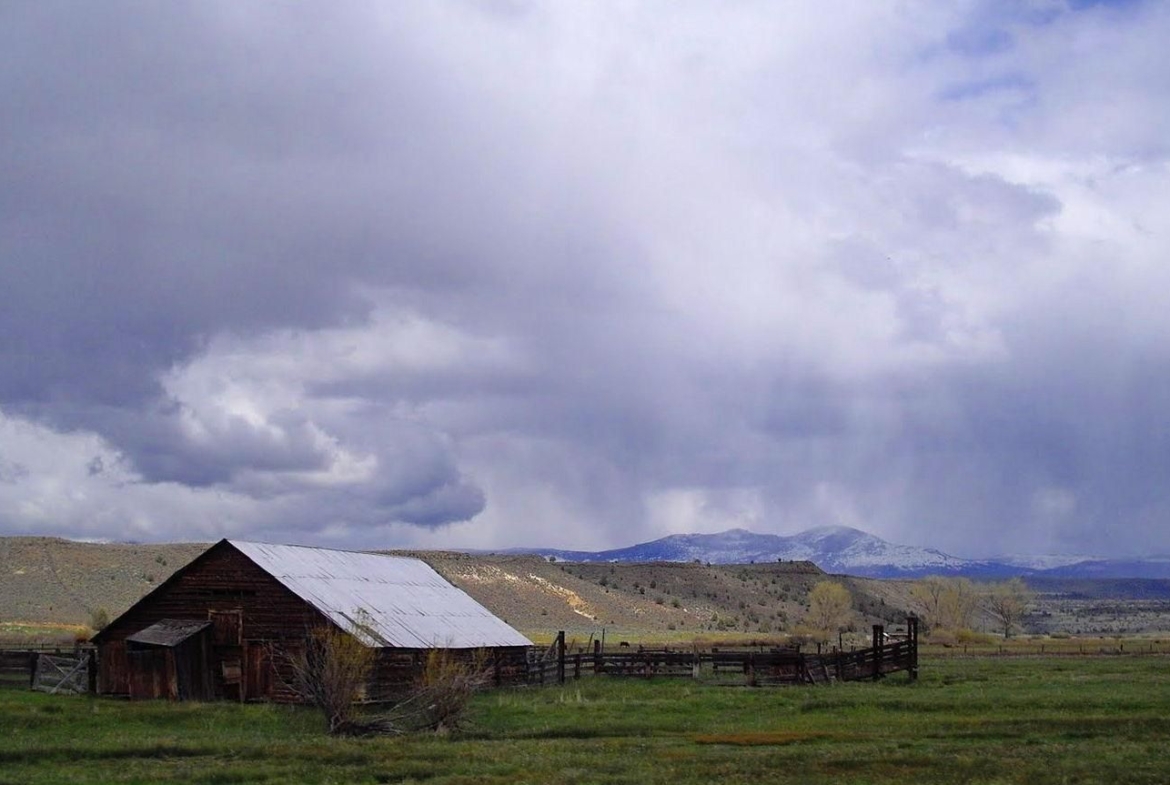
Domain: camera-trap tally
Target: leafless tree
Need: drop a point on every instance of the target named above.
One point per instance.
(1007, 602)
(946, 603)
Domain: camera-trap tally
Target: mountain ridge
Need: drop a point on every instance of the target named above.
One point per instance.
(847, 550)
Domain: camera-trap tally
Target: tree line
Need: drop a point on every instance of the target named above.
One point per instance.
(942, 603)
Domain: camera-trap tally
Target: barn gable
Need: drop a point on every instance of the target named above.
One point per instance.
(219, 580)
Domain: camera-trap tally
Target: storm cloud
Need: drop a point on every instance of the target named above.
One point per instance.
(496, 273)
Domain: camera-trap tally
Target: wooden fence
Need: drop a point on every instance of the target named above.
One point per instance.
(777, 666)
(53, 670)
(17, 668)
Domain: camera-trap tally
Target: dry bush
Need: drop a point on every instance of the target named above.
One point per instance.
(331, 673)
(971, 636)
(334, 668)
(439, 702)
(99, 619)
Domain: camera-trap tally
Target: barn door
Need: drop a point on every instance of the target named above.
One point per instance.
(227, 627)
(227, 645)
(257, 671)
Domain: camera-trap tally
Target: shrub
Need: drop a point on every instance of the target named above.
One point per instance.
(99, 619)
(971, 636)
(330, 672)
(440, 701)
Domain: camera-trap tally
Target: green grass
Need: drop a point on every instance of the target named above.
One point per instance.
(1071, 720)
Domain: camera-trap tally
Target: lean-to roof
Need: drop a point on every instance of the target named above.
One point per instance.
(168, 632)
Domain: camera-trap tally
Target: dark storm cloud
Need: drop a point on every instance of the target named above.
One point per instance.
(178, 171)
(340, 268)
(145, 207)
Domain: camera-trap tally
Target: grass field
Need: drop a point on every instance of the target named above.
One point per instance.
(967, 720)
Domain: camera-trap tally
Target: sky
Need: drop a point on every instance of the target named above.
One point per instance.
(490, 273)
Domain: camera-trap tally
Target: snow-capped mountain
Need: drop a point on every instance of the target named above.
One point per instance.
(1044, 562)
(837, 549)
(841, 549)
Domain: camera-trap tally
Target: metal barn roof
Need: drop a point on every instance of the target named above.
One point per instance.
(383, 600)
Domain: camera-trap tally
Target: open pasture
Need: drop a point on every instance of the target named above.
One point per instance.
(967, 720)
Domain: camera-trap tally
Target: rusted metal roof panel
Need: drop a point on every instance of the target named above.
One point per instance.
(168, 632)
(383, 600)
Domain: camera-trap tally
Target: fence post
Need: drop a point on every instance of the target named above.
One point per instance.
(561, 657)
(879, 634)
(91, 672)
(597, 657)
(912, 639)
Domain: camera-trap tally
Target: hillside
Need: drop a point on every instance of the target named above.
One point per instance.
(46, 579)
(537, 595)
(52, 580)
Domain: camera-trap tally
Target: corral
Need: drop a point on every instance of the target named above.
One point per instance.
(754, 667)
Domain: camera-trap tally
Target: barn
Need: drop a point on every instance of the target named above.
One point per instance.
(210, 630)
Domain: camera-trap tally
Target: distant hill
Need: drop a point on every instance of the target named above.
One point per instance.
(842, 549)
(45, 579)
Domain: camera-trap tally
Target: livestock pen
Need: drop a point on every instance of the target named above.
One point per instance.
(756, 667)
